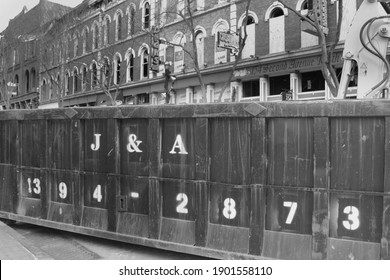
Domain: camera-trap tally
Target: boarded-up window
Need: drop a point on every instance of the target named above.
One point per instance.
(276, 31)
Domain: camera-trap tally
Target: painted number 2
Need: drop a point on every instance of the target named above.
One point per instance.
(183, 199)
(353, 221)
(37, 185)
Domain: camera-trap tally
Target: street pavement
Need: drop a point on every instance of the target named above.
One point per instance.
(14, 246)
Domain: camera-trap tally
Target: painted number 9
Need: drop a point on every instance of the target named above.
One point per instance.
(353, 221)
(63, 190)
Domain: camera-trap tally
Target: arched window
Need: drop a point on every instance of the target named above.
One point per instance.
(106, 72)
(307, 37)
(178, 56)
(106, 30)
(199, 40)
(94, 75)
(117, 69)
(144, 63)
(67, 83)
(95, 36)
(83, 78)
(17, 83)
(27, 81)
(75, 80)
(118, 26)
(250, 43)
(130, 65)
(220, 53)
(130, 20)
(76, 45)
(84, 34)
(276, 16)
(146, 16)
(33, 78)
(44, 90)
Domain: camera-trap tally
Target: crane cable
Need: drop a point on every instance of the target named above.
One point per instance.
(376, 53)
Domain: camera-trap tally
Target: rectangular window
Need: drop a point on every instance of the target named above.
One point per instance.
(279, 84)
(251, 88)
(313, 81)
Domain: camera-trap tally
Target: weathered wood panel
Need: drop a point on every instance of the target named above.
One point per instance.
(290, 152)
(9, 142)
(8, 188)
(178, 148)
(33, 147)
(357, 154)
(100, 147)
(230, 150)
(64, 139)
(134, 149)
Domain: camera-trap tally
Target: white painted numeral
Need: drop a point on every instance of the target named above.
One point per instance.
(293, 209)
(37, 186)
(183, 199)
(63, 190)
(353, 222)
(229, 211)
(97, 193)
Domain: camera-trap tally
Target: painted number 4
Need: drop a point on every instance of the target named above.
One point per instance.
(97, 193)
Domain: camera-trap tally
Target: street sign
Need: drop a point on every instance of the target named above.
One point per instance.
(228, 40)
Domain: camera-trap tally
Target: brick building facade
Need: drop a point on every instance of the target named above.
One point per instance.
(19, 55)
(105, 45)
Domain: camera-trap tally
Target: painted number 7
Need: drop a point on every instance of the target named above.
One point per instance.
(293, 209)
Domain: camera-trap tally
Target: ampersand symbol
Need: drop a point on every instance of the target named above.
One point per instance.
(133, 145)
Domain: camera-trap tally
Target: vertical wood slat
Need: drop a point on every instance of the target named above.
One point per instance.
(113, 129)
(385, 241)
(155, 171)
(202, 175)
(320, 227)
(258, 176)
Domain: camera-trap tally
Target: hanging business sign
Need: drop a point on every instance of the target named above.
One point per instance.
(155, 50)
(229, 41)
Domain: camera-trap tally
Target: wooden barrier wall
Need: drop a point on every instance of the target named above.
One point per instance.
(290, 180)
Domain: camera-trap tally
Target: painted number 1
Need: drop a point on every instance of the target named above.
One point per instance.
(37, 186)
(293, 209)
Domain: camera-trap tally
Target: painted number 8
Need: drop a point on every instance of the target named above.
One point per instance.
(229, 211)
(353, 222)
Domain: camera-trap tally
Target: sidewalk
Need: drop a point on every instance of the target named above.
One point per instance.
(14, 246)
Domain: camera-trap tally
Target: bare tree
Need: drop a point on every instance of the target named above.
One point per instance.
(187, 26)
(327, 45)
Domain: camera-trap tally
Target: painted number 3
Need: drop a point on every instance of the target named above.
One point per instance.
(37, 186)
(353, 221)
